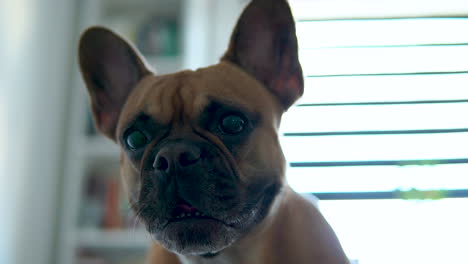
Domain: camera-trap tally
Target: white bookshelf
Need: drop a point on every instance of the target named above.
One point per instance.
(87, 151)
(203, 36)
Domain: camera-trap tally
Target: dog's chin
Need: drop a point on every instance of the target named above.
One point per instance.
(195, 236)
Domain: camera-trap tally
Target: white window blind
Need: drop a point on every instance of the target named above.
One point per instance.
(381, 135)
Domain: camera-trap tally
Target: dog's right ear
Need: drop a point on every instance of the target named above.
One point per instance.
(111, 68)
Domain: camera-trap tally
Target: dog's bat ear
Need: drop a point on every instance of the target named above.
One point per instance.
(264, 44)
(111, 68)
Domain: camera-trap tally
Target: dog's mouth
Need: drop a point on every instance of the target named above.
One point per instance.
(185, 211)
(198, 224)
(190, 231)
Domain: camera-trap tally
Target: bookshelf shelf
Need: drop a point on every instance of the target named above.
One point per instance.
(93, 238)
(99, 147)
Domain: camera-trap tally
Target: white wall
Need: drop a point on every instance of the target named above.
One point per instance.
(208, 25)
(36, 49)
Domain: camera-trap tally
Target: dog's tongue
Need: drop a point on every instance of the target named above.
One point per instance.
(185, 207)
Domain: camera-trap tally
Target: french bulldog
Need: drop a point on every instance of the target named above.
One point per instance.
(200, 157)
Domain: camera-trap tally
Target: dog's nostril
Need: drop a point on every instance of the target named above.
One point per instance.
(161, 164)
(173, 156)
(188, 158)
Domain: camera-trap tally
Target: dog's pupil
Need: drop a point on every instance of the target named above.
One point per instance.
(136, 140)
(232, 124)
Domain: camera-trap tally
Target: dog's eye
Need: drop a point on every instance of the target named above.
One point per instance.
(136, 140)
(232, 124)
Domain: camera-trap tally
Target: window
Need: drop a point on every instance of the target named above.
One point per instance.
(381, 135)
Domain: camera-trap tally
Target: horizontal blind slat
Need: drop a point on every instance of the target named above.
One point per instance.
(376, 148)
(386, 103)
(420, 162)
(375, 117)
(384, 60)
(462, 193)
(377, 178)
(385, 88)
(377, 32)
(376, 132)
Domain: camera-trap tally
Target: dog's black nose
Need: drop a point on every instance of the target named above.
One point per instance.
(176, 155)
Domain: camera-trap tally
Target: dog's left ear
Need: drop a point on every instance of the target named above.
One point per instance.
(264, 44)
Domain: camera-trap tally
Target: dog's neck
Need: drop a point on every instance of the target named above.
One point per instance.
(252, 248)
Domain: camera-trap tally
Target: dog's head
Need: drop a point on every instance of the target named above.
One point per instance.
(200, 156)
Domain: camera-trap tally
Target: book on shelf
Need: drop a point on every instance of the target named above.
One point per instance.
(104, 203)
(87, 256)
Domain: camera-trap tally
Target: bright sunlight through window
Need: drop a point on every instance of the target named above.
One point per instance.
(381, 135)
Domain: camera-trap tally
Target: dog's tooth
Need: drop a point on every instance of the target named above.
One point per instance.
(197, 213)
(182, 215)
(189, 214)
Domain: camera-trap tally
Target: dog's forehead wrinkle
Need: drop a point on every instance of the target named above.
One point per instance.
(186, 95)
(157, 98)
(174, 98)
(214, 104)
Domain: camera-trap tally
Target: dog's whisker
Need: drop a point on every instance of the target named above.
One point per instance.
(135, 212)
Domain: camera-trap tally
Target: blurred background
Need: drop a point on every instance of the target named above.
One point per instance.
(380, 136)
